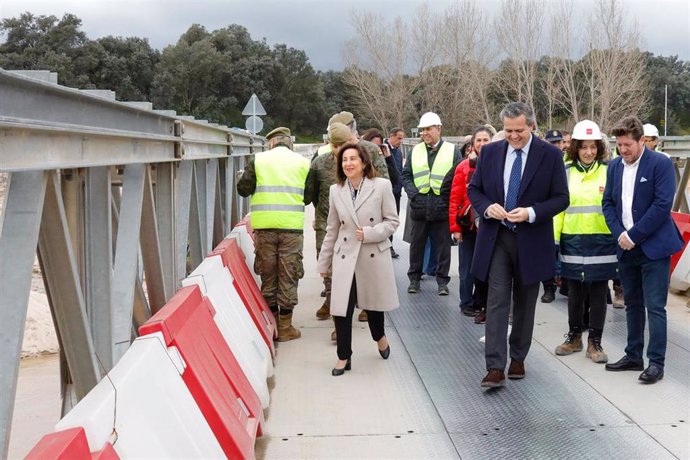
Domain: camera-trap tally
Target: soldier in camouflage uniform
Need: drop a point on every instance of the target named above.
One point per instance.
(323, 175)
(277, 181)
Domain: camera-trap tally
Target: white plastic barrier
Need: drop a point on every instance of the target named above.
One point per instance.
(234, 322)
(247, 245)
(680, 277)
(154, 413)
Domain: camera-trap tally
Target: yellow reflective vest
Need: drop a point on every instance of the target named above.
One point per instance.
(278, 200)
(425, 179)
(587, 248)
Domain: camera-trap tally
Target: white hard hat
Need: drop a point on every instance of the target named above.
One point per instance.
(586, 130)
(650, 130)
(429, 119)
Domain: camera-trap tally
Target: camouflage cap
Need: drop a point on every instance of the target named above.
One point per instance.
(282, 131)
(343, 117)
(338, 133)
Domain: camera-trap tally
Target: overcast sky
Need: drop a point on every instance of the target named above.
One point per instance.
(319, 27)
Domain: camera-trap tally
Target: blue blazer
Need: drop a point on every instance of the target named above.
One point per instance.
(544, 187)
(653, 228)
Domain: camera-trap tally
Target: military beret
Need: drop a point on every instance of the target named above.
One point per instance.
(338, 134)
(282, 131)
(343, 117)
(554, 136)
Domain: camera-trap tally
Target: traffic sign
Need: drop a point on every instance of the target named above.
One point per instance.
(254, 124)
(254, 107)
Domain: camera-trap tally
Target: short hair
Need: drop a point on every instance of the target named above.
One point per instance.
(394, 131)
(515, 109)
(629, 125)
(279, 140)
(372, 133)
(369, 171)
(602, 152)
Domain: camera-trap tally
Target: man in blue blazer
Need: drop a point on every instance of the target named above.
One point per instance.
(640, 185)
(518, 187)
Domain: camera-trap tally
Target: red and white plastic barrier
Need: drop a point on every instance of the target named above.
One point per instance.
(680, 261)
(70, 444)
(213, 375)
(245, 238)
(249, 291)
(145, 408)
(234, 322)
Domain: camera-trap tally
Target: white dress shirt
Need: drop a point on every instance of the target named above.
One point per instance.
(627, 192)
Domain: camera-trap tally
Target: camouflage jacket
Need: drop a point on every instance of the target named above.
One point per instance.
(322, 175)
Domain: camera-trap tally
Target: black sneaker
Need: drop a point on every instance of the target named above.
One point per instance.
(549, 295)
(443, 289)
(394, 254)
(413, 288)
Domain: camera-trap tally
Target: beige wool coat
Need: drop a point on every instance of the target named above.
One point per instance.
(369, 260)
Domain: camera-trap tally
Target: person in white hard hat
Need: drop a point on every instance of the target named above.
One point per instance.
(637, 205)
(426, 167)
(587, 248)
(651, 137)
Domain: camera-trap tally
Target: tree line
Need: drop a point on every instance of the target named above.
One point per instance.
(448, 63)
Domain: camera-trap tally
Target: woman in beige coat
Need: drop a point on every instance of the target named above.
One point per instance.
(361, 217)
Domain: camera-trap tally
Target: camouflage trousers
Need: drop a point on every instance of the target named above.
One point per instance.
(279, 264)
(320, 235)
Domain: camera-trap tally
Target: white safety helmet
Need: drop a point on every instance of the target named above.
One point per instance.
(586, 130)
(429, 119)
(650, 130)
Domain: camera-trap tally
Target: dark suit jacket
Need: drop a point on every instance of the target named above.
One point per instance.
(654, 230)
(544, 187)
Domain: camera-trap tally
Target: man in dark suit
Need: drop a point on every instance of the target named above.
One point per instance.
(640, 185)
(518, 187)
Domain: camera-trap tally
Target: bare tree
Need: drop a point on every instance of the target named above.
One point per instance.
(519, 34)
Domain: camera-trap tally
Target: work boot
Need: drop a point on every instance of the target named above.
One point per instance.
(286, 331)
(413, 288)
(594, 350)
(549, 294)
(325, 311)
(618, 301)
(573, 343)
(362, 316)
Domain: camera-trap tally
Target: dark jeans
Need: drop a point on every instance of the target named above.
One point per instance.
(440, 235)
(504, 287)
(645, 286)
(343, 325)
(397, 207)
(592, 294)
(468, 299)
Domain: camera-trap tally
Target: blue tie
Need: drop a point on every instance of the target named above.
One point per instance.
(514, 186)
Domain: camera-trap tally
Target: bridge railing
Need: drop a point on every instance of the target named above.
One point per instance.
(118, 202)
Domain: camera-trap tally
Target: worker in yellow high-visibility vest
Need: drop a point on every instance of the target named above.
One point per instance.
(276, 180)
(426, 167)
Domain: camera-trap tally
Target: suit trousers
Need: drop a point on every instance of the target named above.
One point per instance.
(439, 233)
(504, 286)
(343, 325)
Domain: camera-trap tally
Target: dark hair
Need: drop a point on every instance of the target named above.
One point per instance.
(369, 171)
(629, 125)
(575, 144)
(515, 109)
(478, 130)
(394, 131)
(372, 133)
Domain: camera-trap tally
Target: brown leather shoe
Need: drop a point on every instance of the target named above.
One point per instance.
(363, 318)
(494, 379)
(516, 371)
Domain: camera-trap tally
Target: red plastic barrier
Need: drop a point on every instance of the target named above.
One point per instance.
(233, 258)
(213, 375)
(69, 445)
(683, 223)
(246, 221)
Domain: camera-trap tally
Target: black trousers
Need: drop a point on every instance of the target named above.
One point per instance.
(594, 292)
(343, 325)
(505, 286)
(397, 207)
(439, 233)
